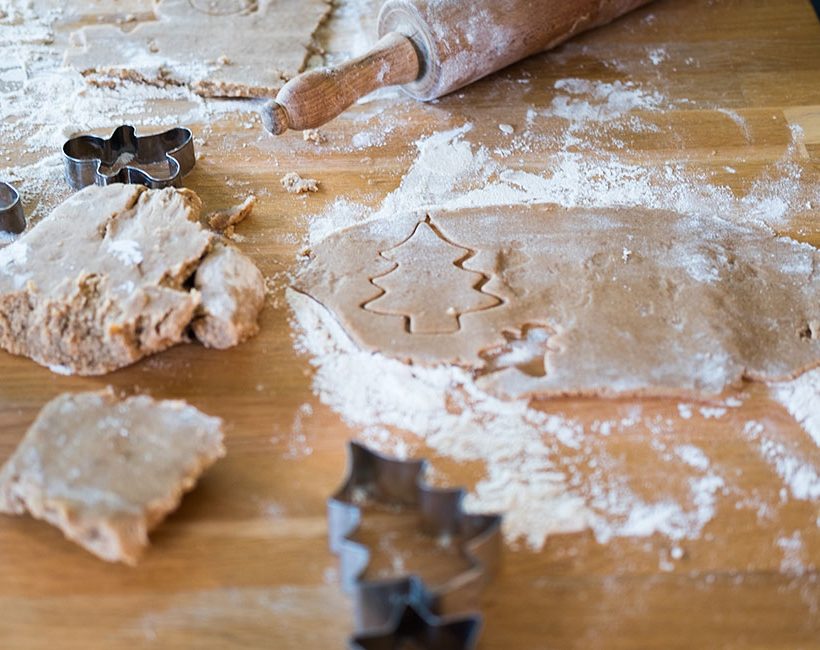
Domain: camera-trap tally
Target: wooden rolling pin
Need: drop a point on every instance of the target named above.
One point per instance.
(433, 47)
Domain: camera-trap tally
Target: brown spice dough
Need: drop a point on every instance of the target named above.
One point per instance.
(635, 301)
(242, 48)
(101, 282)
(106, 471)
(233, 292)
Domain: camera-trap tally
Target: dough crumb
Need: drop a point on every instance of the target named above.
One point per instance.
(506, 129)
(107, 470)
(223, 219)
(295, 184)
(233, 293)
(314, 135)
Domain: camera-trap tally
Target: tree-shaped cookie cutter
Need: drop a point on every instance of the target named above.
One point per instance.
(412, 621)
(399, 484)
(12, 218)
(124, 157)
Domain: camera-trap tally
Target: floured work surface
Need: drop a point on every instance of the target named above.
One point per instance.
(228, 48)
(103, 281)
(672, 552)
(628, 301)
(106, 471)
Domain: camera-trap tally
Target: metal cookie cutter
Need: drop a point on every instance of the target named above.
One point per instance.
(12, 218)
(415, 625)
(380, 604)
(158, 161)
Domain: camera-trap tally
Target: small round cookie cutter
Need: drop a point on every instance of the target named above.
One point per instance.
(12, 218)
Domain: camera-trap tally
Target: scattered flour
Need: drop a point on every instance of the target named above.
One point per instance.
(801, 397)
(712, 411)
(693, 457)
(685, 411)
(797, 473)
(595, 101)
(657, 55)
(524, 450)
(793, 548)
(451, 172)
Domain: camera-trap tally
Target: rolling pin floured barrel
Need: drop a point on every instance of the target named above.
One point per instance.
(433, 47)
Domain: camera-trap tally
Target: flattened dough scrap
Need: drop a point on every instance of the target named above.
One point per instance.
(233, 292)
(106, 471)
(240, 48)
(637, 301)
(102, 281)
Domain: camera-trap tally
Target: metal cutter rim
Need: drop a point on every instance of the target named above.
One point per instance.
(84, 156)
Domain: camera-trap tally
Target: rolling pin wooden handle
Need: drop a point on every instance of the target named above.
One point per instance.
(316, 97)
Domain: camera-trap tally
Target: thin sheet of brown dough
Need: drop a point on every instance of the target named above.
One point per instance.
(634, 301)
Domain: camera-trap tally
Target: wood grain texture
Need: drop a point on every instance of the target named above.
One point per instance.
(244, 562)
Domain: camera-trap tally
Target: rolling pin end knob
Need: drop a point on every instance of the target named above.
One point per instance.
(275, 118)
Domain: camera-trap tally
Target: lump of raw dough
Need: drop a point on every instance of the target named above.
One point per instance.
(295, 184)
(242, 48)
(98, 284)
(103, 281)
(233, 292)
(106, 471)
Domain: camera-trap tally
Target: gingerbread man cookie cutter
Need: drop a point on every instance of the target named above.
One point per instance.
(157, 161)
(12, 218)
(380, 603)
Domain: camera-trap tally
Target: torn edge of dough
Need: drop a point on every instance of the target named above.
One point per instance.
(221, 220)
(232, 291)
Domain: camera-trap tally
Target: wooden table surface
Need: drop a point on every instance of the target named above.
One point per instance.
(244, 563)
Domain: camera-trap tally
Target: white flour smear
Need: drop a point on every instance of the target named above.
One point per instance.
(548, 473)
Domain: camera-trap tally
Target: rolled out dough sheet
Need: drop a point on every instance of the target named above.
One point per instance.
(603, 301)
(219, 48)
(103, 281)
(106, 471)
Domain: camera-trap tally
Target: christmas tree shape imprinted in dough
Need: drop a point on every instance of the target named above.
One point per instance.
(429, 285)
